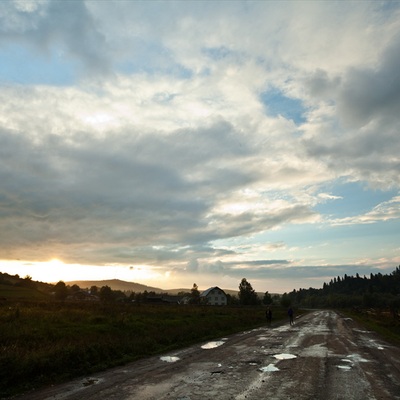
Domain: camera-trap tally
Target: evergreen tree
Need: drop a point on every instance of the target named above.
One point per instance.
(247, 295)
(194, 295)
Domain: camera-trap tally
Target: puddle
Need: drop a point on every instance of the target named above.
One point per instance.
(360, 331)
(346, 360)
(344, 367)
(170, 359)
(284, 356)
(212, 345)
(269, 368)
(373, 343)
(356, 358)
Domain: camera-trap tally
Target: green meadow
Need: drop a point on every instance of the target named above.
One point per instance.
(43, 343)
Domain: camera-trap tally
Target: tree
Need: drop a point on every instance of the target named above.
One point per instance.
(106, 294)
(285, 300)
(60, 291)
(267, 299)
(74, 289)
(94, 290)
(28, 282)
(194, 295)
(247, 295)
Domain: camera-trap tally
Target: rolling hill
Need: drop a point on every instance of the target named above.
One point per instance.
(116, 284)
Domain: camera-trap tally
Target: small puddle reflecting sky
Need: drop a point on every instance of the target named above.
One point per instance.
(269, 368)
(284, 356)
(169, 359)
(212, 345)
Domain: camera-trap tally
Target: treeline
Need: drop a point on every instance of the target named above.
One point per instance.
(246, 295)
(375, 291)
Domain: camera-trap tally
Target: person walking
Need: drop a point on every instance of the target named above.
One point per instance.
(290, 313)
(268, 314)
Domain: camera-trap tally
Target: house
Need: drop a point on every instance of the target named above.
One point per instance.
(214, 296)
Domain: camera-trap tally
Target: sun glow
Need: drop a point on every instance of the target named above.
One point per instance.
(55, 262)
(56, 270)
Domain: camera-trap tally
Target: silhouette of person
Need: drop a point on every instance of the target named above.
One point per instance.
(268, 314)
(290, 313)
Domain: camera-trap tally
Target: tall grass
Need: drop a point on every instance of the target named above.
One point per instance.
(48, 342)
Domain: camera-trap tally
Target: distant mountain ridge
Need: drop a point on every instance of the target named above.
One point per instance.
(116, 284)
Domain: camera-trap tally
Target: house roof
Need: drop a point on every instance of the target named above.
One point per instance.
(206, 292)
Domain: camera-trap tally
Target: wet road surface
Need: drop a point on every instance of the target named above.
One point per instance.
(323, 356)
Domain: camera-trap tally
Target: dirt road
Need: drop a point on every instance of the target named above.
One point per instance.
(323, 356)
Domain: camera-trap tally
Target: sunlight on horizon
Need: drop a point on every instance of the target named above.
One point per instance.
(56, 270)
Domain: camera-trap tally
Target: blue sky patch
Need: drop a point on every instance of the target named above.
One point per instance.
(22, 66)
(277, 103)
(356, 199)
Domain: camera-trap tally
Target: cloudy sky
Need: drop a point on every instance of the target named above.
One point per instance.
(171, 143)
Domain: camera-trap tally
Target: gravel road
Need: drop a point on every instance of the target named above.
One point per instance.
(322, 356)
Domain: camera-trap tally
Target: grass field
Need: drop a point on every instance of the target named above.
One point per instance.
(13, 293)
(380, 321)
(47, 342)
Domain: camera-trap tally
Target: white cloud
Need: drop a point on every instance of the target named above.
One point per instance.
(388, 210)
(162, 143)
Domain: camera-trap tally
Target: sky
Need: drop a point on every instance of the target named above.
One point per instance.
(171, 143)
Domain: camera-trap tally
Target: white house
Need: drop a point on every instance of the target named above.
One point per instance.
(214, 296)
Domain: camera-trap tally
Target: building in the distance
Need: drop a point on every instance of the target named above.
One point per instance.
(214, 296)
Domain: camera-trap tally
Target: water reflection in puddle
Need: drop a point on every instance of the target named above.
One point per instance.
(344, 367)
(169, 359)
(284, 356)
(356, 358)
(212, 345)
(269, 368)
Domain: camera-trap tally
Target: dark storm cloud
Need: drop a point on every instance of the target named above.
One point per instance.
(62, 26)
(115, 201)
(366, 146)
(372, 93)
(121, 196)
(320, 85)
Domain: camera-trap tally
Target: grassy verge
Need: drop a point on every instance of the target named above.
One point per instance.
(46, 343)
(379, 321)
